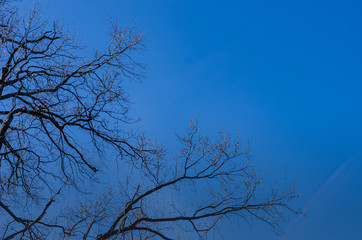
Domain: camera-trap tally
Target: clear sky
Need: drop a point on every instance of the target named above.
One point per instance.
(287, 74)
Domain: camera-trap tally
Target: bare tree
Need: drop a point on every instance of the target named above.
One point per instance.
(64, 114)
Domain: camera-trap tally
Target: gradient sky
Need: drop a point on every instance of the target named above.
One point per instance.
(286, 74)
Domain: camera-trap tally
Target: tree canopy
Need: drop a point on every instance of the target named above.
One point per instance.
(64, 114)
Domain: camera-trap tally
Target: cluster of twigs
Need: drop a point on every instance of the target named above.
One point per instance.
(61, 116)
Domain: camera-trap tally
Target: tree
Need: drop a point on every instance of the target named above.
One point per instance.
(64, 114)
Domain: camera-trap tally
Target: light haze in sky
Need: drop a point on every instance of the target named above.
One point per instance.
(286, 74)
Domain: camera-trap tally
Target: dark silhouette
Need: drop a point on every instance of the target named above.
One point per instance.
(63, 114)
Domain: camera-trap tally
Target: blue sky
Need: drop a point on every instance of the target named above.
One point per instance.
(286, 74)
